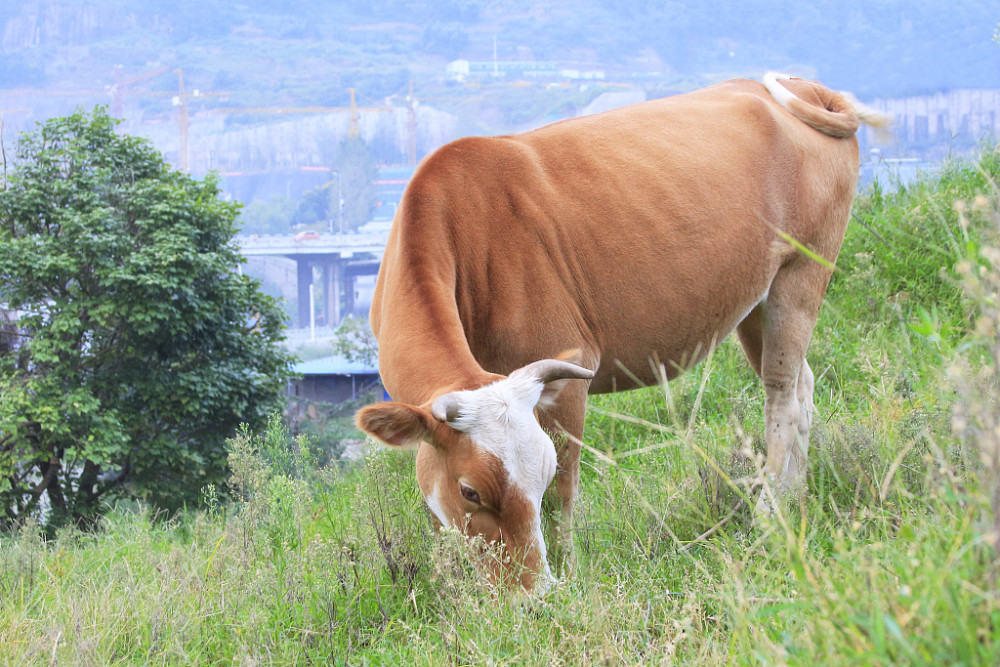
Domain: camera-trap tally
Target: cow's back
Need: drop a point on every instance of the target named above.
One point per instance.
(646, 231)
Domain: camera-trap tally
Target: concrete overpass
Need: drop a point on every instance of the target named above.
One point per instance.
(341, 257)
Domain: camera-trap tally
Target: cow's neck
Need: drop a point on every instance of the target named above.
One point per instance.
(423, 348)
(417, 369)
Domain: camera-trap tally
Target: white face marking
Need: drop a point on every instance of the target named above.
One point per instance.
(500, 418)
(435, 505)
(545, 577)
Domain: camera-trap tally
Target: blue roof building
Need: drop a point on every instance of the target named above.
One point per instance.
(333, 379)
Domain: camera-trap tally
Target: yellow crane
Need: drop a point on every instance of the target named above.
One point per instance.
(183, 118)
(355, 128)
(411, 101)
(354, 109)
(121, 86)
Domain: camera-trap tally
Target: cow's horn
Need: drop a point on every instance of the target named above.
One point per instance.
(549, 370)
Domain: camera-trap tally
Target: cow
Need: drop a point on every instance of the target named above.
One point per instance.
(595, 255)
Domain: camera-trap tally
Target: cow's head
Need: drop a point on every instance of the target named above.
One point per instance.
(484, 461)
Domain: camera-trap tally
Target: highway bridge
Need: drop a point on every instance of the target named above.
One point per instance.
(341, 258)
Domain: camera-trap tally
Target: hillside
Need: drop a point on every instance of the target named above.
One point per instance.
(309, 52)
(294, 64)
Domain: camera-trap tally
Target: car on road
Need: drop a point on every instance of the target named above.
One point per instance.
(307, 236)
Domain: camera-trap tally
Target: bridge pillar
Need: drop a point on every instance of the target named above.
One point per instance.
(303, 280)
(332, 280)
(349, 293)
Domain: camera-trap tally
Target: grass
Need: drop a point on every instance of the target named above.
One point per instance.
(889, 558)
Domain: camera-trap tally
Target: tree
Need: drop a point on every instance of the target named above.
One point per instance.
(358, 172)
(355, 341)
(142, 346)
(355, 184)
(316, 205)
(268, 217)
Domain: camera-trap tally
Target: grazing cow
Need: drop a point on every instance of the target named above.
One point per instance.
(523, 272)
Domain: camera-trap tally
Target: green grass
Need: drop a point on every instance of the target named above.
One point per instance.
(888, 558)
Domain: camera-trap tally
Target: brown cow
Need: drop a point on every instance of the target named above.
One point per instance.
(595, 245)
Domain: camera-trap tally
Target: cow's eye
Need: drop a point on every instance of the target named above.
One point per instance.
(470, 494)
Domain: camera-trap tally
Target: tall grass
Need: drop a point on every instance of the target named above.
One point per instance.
(890, 557)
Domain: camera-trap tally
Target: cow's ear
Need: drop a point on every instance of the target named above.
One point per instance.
(395, 424)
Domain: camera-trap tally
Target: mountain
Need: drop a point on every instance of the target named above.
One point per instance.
(310, 51)
(281, 58)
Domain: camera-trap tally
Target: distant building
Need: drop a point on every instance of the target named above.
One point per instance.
(389, 186)
(333, 379)
(969, 114)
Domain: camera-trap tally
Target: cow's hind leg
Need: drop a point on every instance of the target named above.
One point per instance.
(775, 336)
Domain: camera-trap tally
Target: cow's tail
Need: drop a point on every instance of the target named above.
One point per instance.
(836, 114)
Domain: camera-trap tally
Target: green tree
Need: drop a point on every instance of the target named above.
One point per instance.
(355, 341)
(353, 184)
(317, 205)
(268, 217)
(142, 346)
(358, 171)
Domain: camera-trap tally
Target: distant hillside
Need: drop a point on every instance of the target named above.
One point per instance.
(311, 51)
(255, 64)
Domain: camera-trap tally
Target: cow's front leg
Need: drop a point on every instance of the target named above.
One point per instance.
(564, 423)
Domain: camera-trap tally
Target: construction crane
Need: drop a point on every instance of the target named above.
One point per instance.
(121, 85)
(117, 90)
(8, 111)
(120, 89)
(355, 127)
(354, 109)
(411, 102)
(184, 119)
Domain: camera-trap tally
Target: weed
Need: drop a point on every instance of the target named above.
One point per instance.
(976, 373)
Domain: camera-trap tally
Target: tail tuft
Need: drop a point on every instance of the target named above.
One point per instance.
(880, 122)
